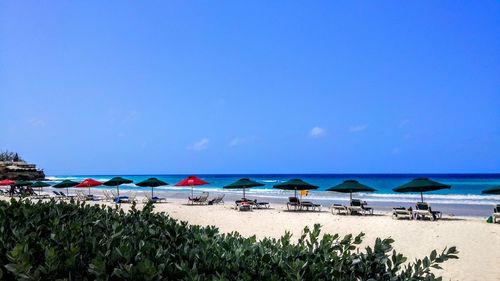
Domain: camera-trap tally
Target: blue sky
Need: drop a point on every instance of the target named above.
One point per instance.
(117, 87)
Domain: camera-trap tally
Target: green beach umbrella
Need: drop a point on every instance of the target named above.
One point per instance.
(295, 184)
(66, 184)
(243, 183)
(350, 186)
(22, 183)
(40, 184)
(492, 190)
(117, 181)
(421, 185)
(151, 182)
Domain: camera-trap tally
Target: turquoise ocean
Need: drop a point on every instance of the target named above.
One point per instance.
(465, 190)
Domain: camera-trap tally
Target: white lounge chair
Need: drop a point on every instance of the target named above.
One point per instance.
(80, 196)
(357, 207)
(340, 209)
(132, 196)
(40, 195)
(496, 214)
(402, 213)
(423, 210)
(202, 199)
(219, 199)
(107, 196)
(153, 199)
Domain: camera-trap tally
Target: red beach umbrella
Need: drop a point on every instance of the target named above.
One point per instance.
(191, 181)
(89, 183)
(7, 182)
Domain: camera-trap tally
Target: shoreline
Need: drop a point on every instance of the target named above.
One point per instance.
(482, 211)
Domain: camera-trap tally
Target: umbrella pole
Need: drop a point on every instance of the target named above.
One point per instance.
(151, 192)
(350, 195)
(422, 196)
(244, 192)
(118, 189)
(67, 190)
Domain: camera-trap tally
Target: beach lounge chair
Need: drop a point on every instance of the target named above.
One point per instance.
(126, 198)
(202, 199)
(340, 209)
(244, 206)
(133, 195)
(496, 214)
(121, 199)
(309, 206)
(423, 210)
(297, 205)
(80, 196)
(58, 196)
(219, 199)
(262, 205)
(357, 207)
(67, 196)
(293, 202)
(40, 195)
(107, 195)
(153, 199)
(255, 204)
(402, 213)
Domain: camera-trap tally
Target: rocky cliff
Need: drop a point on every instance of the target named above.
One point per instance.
(20, 171)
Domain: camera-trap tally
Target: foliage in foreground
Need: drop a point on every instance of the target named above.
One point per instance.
(74, 241)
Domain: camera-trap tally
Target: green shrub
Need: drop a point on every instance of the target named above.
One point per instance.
(75, 241)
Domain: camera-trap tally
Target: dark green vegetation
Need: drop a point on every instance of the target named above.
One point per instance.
(73, 241)
(10, 156)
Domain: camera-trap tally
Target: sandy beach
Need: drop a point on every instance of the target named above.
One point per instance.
(477, 241)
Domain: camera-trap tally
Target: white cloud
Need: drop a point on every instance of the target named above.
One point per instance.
(358, 128)
(237, 141)
(36, 122)
(317, 132)
(199, 145)
(404, 123)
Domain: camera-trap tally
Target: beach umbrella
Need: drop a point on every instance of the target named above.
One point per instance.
(89, 183)
(295, 184)
(66, 184)
(40, 184)
(421, 185)
(350, 186)
(117, 181)
(151, 182)
(492, 190)
(7, 182)
(243, 183)
(22, 183)
(191, 181)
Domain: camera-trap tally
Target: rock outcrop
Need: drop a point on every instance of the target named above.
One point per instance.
(20, 171)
